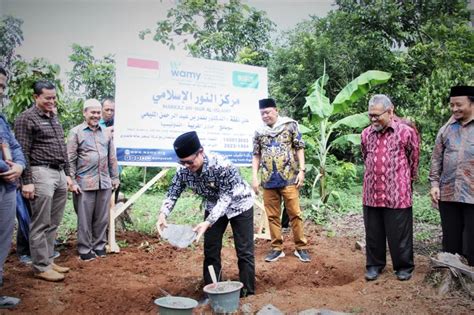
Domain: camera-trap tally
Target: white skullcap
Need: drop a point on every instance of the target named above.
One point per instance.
(92, 102)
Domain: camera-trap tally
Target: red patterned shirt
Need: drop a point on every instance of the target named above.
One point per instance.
(391, 162)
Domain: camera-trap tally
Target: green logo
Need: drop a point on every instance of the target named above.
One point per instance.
(245, 79)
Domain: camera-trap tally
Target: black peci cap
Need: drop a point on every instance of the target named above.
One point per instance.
(186, 144)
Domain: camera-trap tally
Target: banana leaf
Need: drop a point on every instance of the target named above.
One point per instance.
(358, 87)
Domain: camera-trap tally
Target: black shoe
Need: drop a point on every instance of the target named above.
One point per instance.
(87, 257)
(372, 273)
(100, 253)
(303, 255)
(274, 255)
(403, 275)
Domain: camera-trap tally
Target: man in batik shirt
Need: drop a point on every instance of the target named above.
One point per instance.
(94, 172)
(227, 198)
(452, 174)
(390, 150)
(279, 150)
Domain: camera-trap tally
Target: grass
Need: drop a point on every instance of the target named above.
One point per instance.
(188, 210)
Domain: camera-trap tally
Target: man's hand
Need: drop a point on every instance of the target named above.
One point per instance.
(434, 192)
(13, 174)
(299, 179)
(161, 223)
(255, 185)
(69, 182)
(200, 229)
(115, 184)
(75, 189)
(28, 191)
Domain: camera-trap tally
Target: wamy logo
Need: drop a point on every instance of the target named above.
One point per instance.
(176, 71)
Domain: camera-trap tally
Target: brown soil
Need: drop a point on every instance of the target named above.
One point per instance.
(128, 282)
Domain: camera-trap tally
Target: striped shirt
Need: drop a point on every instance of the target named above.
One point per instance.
(42, 140)
(452, 162)
(92, 158)
(223, 189)
(391, 162)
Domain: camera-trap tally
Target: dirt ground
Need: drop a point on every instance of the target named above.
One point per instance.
(128, 282)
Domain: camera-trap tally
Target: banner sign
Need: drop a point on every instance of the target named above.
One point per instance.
(157, 99)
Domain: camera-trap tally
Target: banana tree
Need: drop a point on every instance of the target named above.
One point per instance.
(322, 115)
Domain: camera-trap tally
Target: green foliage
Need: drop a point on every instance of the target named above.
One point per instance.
(423, 210)
(11, 36)
(70, 111)
(135, 177)
(68, 224)
(145, 211)
(91, 77)
(426, 45)
(229, 31)
(23, 75)
(341, 175)
(322, 114)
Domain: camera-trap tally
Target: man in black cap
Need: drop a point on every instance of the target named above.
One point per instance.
(279, 149)
(227, 198)
(452, 174)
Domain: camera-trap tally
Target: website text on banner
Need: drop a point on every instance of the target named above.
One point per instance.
(158, 99)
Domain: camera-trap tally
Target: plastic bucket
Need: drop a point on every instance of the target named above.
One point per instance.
(224, 296)
(175, 305)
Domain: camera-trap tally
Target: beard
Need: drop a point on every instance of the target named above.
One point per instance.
(378, 128)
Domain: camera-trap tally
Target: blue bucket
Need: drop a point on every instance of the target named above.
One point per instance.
(175, 305)
(224, 296)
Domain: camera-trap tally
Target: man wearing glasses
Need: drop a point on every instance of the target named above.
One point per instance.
(390, 151)
(227, 198)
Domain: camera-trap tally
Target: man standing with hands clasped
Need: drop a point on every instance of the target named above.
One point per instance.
(227, 199)
(279, 149)
(94, 173)
(390, 150)
(452, 174)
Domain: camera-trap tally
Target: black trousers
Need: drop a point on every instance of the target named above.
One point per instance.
(242, 229)
(285, 218)
(394, 226)
(457, 222)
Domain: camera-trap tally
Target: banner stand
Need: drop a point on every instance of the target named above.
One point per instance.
(114, 212)
(263, 229)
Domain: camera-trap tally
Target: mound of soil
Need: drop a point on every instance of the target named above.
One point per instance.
(129, 282)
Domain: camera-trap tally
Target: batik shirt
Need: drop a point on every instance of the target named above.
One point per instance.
(391, 162)
(92, 158)
(452, 162)
(277, 148)
(219, 183)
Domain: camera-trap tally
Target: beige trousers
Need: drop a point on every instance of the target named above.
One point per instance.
(272, 199)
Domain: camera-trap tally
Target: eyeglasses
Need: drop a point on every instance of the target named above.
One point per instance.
(189, 162)
(377, 116)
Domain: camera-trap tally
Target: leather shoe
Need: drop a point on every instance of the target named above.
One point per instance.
(403, 275)
(50, 275)
(60, 269)
(372, 273)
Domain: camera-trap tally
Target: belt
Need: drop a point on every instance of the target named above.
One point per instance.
(58, 167)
